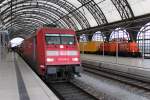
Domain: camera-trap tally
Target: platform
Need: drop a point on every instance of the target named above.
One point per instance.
(18, 81)
(136, 66)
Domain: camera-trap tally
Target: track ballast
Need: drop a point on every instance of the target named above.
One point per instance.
(68, 91)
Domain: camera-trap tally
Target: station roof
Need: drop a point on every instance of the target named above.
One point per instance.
(24, 16)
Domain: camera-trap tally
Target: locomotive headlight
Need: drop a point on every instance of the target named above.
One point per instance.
(75, 59)
(42, 66)
(61, 46)
(50, 59)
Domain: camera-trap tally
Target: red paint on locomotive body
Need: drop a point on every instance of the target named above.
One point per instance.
(51, 49)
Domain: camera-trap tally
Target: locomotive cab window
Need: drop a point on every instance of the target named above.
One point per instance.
(67, 39)
(52, 39)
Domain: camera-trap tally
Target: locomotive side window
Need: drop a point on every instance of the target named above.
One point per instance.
(60, 39)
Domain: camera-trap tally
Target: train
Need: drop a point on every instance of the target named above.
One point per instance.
(52, 52)
(119, 46)
(89, 46)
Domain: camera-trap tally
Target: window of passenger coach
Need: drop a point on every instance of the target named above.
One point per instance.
(98, 36)
(60, 39)
(119, 34)
(143, 39)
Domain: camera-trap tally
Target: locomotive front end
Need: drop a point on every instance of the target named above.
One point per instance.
(62, 58)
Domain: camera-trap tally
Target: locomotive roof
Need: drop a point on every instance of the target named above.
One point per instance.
(57, 30)
(52, 29)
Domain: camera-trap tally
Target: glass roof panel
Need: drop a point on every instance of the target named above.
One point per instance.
(89, 17)
(5, 1)
(140, 7)
(76, 3)
(77, 24)
(109, 10)
(84, 10)
(57, 6)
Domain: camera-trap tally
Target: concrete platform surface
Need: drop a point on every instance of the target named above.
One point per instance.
(130, 61)
(18, 81)
(135, 66)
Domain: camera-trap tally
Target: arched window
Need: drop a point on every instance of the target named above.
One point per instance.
(98, 36)
(143, 39)
(16, 41)
(83, 38)
(119, 34)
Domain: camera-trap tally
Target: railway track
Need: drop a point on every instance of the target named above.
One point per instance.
(68, 91)
(118, 76)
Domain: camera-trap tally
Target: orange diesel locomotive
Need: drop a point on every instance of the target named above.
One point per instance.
(125, 48)
(52, 52)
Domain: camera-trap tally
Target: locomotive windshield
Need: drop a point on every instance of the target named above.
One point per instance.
(60, 39)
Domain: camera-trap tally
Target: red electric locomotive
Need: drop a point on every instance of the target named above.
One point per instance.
(52, 52)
